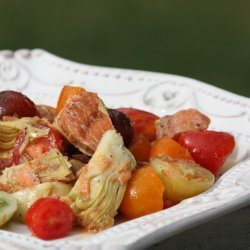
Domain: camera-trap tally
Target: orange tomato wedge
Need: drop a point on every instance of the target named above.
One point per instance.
(144, 194)
(169, 147)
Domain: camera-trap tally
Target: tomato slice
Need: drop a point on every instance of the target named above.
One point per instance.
(38, 146)
(44, 144)
(182, 178)
(144, 122)
(49, 218)
(210, 149)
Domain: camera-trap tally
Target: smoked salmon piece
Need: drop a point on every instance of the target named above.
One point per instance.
(184, 120)
(83, 121)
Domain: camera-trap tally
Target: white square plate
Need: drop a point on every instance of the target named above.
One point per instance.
(41, 75)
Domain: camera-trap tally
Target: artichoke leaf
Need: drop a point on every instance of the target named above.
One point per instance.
(98, 192)
(26, 197)
(10, 129)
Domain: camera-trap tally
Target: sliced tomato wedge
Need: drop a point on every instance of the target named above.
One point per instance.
(210, 149)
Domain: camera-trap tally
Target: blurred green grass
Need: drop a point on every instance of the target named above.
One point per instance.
(205, 40)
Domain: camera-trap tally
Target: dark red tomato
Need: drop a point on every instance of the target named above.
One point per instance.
(38, 146)
(210, 149)
(13, 103)
(144, 122)
(49, 218)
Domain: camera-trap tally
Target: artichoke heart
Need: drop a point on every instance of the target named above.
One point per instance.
(99, 190)
(10, 129)
(51, 166)
(27, 196)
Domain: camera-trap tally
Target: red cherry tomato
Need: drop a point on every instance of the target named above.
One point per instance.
(13, 103)
(144, 122)
(210, 149)
(49, 218)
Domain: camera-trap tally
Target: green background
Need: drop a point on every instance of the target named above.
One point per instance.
(206, 40)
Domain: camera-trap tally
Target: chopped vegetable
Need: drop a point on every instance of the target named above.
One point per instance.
(210, 149)
(49, 218)
(144, 122)
(168, 147)
(144, 194)
(41, 145)
(10, 129)
(27, 196)
(182, 179)
(13, 103)
(8, 206)
(99, 190)
(52, 166)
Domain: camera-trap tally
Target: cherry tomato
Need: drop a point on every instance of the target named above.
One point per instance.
(13, 103)
(49, 218)
(210, 149)
(166, 146)
(144, 122)
(182, 178)
(144, 194)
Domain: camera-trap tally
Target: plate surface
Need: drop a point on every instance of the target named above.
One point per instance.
(41, 75)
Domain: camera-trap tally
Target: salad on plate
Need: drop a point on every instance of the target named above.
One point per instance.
(80, 164)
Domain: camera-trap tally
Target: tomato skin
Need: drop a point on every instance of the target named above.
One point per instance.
(16, 104)
(143, 121)
(166, 146)
(210, 149)
(49, 218)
